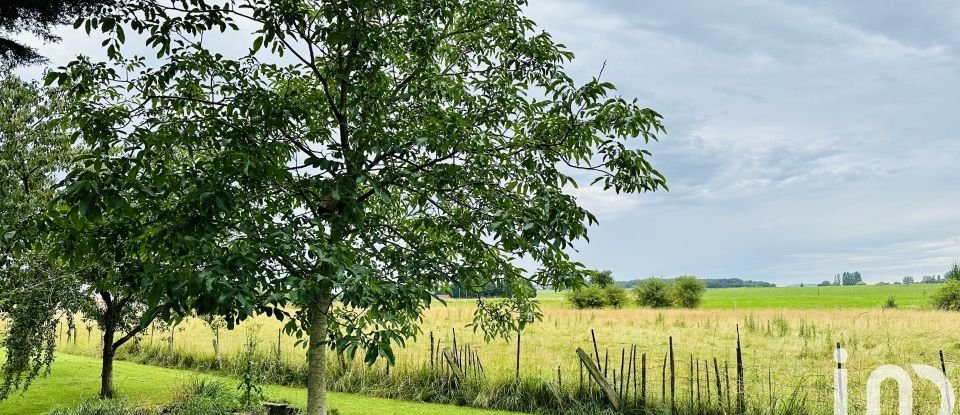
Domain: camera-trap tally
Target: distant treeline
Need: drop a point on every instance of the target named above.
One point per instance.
(488, 290)
(716, 283)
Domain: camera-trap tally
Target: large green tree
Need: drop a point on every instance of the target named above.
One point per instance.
(362, 155)
(50, 265)
(34, 149)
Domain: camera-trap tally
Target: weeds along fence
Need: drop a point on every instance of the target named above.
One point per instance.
(595, 376)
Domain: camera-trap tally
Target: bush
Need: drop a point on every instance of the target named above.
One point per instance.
(591, 296)
(653, 293)
(205, 396)
(891, 302)
(102, 407)
(616, 296)
(688, 291)
(948, 296)
(596, 296)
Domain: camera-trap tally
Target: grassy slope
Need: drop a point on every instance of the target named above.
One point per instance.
(75, 378)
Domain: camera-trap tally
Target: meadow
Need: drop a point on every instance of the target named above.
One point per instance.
(787, 335)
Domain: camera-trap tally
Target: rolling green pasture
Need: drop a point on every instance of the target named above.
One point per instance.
(854, 296)
(846, 297)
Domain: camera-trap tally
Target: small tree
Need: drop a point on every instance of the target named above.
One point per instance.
(398, 147)
(953, 274)
(688, 291)
(35, 286)
(653, 293)
(850, 278)
(603, 279)
(947, 297)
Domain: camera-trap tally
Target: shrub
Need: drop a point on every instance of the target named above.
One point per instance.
(102, 407)
(616, 296)
(652, 292)
(891, 302)
(948, 296)
(204, 397)
(688, 291)
(591, 296)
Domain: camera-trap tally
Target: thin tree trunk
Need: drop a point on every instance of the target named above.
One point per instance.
(106, 368)
(317, 359)
(111, 318)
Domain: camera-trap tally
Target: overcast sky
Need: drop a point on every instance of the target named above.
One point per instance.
(804, 138)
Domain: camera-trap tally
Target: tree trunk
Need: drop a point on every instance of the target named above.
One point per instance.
(106, 368)
(317, 358)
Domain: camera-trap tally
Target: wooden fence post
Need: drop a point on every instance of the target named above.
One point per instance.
(451, 359)
(943, 364)
(518, 356)
(601, 380)
(716, 371)
(596, 351)
(622, 377)
(741, 386)
(673, 380)
(643, 379)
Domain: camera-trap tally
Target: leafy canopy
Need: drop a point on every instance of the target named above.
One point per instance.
(37, 17)
(365, 152)
(653, 293)
(34, 284)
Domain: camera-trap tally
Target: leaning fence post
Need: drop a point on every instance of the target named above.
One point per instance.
(451, 359)
(601, 380)
(622, 377)
(596, 351)
(716, 371)
(943, 364)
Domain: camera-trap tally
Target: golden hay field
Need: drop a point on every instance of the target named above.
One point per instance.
(783, 350)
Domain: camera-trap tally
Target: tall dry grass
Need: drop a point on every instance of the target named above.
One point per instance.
(788, 354)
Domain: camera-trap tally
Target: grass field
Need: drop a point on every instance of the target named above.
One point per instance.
(75, 378)
(788, 337)
(850, 297)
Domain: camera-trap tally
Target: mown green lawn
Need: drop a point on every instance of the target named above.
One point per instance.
(75, 378)
(854, 296)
